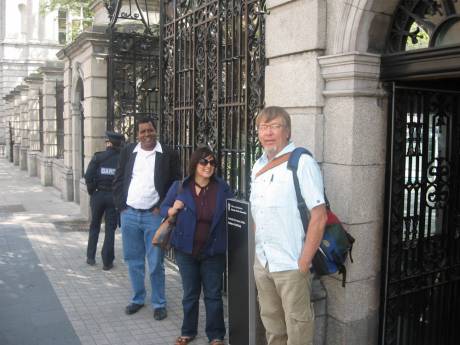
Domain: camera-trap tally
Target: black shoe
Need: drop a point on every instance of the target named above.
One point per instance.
(160, 313)
(107, 267)
(90, 262)
(133, 308)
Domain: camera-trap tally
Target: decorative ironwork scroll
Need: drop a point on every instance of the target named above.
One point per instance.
(133, 64)
(424, 23)
(136, 14)
(213, 63)
(421, 292)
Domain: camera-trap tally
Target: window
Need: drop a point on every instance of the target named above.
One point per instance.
(419, 24)
(62, 26)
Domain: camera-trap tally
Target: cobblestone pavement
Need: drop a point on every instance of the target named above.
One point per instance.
(74, 303)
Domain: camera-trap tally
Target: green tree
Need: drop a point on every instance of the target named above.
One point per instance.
(79, 14)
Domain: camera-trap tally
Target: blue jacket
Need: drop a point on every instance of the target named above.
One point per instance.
(184, 234)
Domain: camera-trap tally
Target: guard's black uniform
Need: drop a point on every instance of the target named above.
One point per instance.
(99, 177)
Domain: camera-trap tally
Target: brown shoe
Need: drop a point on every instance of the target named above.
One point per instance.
(217, 342)
(183, 340)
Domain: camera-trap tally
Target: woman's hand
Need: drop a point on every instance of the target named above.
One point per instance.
(178, 205)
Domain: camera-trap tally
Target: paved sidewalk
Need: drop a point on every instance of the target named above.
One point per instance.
(49, 295)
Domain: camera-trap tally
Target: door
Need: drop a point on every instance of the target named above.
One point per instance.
(421, 264)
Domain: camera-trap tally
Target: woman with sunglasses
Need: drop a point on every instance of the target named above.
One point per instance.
(200, 243)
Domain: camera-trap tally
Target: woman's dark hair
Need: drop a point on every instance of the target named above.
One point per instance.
(199, 153)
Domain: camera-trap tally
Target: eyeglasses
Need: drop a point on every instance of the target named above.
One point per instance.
(204, 162)
(273, 127)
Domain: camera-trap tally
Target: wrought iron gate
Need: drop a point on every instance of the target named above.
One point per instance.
(133, 64)
(421, 287)
(212, 68)
(133, 83)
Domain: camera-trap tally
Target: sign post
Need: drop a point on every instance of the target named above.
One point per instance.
(241, 286)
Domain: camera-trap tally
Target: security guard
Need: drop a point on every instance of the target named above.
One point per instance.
(99, 177)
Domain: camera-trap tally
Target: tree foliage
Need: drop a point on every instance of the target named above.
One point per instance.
(78, 9)
(70, 5)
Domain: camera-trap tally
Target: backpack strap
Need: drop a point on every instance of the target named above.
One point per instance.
(293, 164)
(274, 163)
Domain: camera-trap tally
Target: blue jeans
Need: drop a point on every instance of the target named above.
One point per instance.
(208, 273)
(137, 230)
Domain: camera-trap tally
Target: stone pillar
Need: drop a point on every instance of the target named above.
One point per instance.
(85, 72)
(354, 171)
(16, 124)
(293, 81)
(16, 154)
(292, 77)
(68, 188)
(23, 125)
(52, 73)
(9, 117)
(68, 191)
(34, 82)
(77, 155)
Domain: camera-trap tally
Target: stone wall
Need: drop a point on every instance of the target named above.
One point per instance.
(324, 67)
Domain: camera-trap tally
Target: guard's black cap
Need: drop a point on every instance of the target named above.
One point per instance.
(114, 138)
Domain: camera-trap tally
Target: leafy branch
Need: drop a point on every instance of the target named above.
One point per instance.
(79, 11)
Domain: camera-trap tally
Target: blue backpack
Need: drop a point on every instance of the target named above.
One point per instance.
(337, 243)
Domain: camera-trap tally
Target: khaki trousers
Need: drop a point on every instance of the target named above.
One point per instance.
(285, 307)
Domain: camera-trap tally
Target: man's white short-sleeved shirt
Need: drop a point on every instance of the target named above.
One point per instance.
(279, 233)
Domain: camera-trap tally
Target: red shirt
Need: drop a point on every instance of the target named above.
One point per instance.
(205, 203)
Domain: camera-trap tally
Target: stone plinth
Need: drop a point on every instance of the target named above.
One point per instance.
(32, 163)
(46, 174)
(67, 186)
(23, 158)
(84, 200)
(16, 154)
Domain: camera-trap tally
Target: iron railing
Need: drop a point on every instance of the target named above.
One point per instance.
(421, 262)
(212, 69)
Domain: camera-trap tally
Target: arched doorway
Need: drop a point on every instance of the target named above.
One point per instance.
(421, 264)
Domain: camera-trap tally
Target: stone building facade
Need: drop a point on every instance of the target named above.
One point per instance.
(335, 65)
(27, 39)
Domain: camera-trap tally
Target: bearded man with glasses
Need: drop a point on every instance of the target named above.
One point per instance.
(283, 252)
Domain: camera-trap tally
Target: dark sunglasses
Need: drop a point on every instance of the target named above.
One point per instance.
(204, 162)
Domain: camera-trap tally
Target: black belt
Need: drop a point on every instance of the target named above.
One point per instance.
(143, 209)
